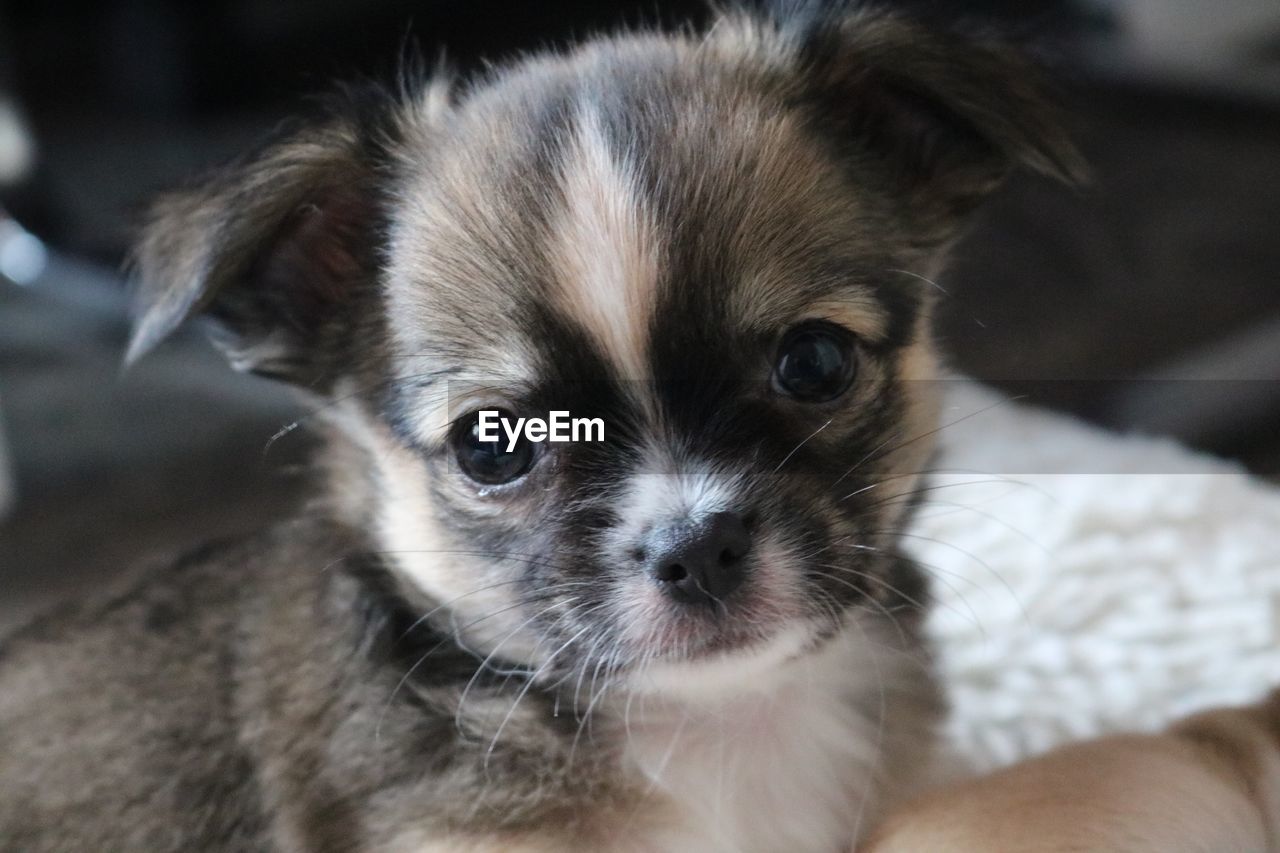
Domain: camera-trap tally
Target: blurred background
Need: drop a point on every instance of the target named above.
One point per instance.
(1148, 301)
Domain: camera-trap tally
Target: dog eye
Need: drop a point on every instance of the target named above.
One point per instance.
(816, 362)
(490, 462)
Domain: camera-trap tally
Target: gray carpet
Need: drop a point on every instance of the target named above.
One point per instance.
(111, 468)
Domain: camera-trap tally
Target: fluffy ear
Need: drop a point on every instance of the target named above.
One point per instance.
(949, 115)
(271, 249)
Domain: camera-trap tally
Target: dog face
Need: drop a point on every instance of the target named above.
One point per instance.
(718, 246)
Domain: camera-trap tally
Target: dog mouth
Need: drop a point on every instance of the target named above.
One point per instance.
(659, 628)
(701, 642)
(729, 661)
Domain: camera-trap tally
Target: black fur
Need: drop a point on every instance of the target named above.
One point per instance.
(327, 687)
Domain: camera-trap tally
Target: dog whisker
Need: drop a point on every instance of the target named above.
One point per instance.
(887, 448)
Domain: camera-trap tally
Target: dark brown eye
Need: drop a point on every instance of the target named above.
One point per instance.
(816, 362)
(491, 463)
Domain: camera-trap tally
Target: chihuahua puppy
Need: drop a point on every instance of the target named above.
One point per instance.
(697, 634)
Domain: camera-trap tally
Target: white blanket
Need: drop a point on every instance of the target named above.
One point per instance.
(1088, 582)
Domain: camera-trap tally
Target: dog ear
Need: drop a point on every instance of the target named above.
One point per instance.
(271, 249)
(950, 115)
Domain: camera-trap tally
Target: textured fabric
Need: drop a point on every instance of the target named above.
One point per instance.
(1089, 582)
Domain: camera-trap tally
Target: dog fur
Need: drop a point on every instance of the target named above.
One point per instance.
(418, 663)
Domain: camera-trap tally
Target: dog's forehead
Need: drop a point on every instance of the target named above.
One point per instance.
(587, 210)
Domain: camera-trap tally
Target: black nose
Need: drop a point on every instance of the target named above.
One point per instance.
(701, 562)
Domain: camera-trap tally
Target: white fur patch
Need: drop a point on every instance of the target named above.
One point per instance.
(606, 250)
(710, 679)
(472, 589)
(784, 757)
(663, 496)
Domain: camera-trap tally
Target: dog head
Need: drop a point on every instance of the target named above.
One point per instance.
(719, 246)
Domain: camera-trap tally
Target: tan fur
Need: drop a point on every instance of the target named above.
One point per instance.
(1210, 784)
(856, 310)
(606, 252)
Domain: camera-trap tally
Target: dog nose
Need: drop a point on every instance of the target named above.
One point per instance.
(700, 562)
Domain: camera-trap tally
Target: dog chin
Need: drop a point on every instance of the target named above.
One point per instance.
(726, 667)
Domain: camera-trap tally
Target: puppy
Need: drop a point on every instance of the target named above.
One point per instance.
(697, 634)
(1210, 784)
